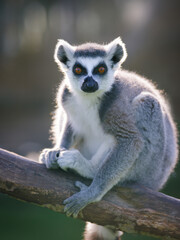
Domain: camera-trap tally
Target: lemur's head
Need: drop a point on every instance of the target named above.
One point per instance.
(90, 67)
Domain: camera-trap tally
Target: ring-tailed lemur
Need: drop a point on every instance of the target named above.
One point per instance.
(110, 125)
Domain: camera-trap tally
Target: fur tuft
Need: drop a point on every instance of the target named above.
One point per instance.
(97, 232)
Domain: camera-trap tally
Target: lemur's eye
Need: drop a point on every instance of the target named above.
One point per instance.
(101, 70)
(78, 70)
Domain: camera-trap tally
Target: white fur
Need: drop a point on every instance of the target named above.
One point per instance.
(83, 115)
(101, 231)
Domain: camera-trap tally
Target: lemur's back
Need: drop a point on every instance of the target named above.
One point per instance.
(154, 122)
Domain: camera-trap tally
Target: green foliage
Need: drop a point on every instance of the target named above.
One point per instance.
(24, 221)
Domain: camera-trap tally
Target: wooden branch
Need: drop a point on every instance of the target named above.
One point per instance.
(131, 209)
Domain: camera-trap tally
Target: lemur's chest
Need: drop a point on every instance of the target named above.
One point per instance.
(84, 118)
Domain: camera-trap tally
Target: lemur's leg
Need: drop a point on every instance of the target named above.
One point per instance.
(49, 156)
(150, 120)
(74, 160)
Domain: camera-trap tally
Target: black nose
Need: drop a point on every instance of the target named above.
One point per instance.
(89, 85)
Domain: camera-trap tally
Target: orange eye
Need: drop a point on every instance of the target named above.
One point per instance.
(101, 70)
(78, 70)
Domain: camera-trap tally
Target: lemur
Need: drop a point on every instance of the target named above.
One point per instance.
(110, 125)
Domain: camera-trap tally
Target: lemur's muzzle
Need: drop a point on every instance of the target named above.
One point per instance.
(89, 85)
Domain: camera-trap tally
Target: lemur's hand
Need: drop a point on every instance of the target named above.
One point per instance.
(78, 201)
(49, 156)
(70, 159)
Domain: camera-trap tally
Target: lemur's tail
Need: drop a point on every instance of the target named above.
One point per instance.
(97, 232)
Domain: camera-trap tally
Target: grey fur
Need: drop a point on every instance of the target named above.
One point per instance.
(66, 93)
(62, 55)
(90, 50)
(67, 137)
(131, 136)
(119, 54)
(108, 99)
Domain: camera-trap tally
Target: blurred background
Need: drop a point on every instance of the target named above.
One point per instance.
(29, 78)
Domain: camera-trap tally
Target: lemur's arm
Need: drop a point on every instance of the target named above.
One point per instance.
(117, 163)
(49, 156)
(74, 160)
(116, 166)
(68, 137)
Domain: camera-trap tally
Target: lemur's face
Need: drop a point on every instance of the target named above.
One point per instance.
(90, 67)
(90, 74)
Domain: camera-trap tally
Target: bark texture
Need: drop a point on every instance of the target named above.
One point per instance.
(133, 209)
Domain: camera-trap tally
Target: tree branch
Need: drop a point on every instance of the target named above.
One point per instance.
(131, 209)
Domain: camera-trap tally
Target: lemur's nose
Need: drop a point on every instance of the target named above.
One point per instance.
(89, 85)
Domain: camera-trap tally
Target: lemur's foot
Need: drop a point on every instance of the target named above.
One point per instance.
(78, 201)
(49, 156)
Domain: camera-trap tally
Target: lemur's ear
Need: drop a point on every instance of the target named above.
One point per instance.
(63, 53)
(116, 52)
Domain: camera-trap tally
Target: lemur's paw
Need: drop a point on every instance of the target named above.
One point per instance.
(49, 156)
(77, 202)
(69, 159)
